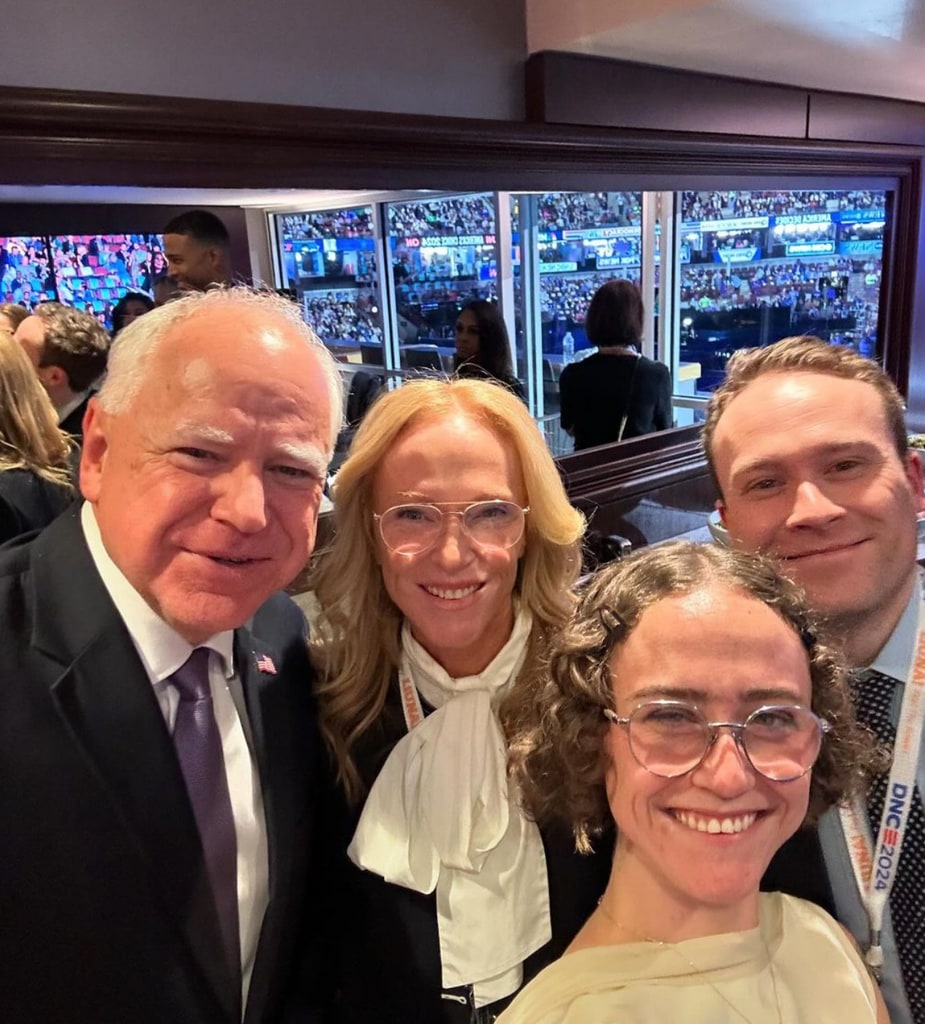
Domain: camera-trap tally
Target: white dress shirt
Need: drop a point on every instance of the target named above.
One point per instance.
(162, 651)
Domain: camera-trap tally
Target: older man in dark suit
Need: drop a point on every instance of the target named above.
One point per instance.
(157, 743)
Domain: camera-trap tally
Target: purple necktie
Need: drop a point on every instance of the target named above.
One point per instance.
(199, 751)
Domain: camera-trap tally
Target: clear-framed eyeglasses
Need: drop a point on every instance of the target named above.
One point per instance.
(414, 529)
(670, 738)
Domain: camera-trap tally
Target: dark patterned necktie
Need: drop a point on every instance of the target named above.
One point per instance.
(874, 699)
(199, 751)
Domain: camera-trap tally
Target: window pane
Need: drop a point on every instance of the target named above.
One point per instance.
(444, 254)
(757, 266)
(328, 262)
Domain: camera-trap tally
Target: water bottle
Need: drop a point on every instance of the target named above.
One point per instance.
(568, 348)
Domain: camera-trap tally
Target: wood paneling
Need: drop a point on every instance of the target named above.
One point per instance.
(568, 88)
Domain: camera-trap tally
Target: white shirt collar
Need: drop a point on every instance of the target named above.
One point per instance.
(161, 648)
(893, 659)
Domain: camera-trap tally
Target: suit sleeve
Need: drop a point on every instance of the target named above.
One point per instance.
(10, 524)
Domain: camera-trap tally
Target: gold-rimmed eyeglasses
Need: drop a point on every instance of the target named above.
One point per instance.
(414, 529)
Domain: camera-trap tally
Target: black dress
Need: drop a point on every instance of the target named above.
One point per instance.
(595, 393)
(29, 502)
(386, 954)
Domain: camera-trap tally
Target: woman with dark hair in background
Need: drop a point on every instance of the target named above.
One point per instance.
(482, 346)
(131, 306)
(617, 392)
(35, 472)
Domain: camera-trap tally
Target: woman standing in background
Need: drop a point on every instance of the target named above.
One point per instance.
(617, 392)
(482, 346)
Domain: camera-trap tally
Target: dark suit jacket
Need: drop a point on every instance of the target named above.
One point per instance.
(105, 912)
(28, 502)
(798, 868)
(73, 423)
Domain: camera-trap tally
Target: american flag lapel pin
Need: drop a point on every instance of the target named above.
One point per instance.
(265, 664)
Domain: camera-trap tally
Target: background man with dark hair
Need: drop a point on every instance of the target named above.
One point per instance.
(197, 247)
(68, 349)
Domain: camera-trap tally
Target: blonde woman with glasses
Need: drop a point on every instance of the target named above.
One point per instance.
(454, 557)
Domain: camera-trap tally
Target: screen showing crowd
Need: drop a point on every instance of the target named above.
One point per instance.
(89, 272)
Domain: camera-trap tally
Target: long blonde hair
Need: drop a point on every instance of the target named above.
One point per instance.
(357, 645)
(29, 434)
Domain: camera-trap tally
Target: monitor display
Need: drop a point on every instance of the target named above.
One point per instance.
(92, 272)
(26, 277)
(757, 266)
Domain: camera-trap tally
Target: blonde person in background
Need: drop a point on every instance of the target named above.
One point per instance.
(35, 470)
(690, 701)
(11, 316)
(454, 557)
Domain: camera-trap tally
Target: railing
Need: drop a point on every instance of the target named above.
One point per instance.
(557, 441)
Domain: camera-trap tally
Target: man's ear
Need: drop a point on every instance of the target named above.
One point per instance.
(914, 475)
(53, 378)
(721, 508)
(94, 449)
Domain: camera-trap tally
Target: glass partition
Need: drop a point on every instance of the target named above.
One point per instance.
(327, 260)
(740, 268)
(759, 266)
(444, 253)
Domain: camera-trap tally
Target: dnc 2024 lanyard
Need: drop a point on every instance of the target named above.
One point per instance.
(875, 866)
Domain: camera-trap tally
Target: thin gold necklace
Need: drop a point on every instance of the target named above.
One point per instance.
(690, 963)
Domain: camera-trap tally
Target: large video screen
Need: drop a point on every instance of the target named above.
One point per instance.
(90, 272)
(328, 263)
(26, 277)
(585, 239)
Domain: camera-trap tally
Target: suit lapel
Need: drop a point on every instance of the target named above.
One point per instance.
(108, 703)
(270, 711)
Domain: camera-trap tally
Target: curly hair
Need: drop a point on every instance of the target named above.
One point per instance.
(14, 313)
(75, 341)
(356, 642)
(801, 354)
(558, 753)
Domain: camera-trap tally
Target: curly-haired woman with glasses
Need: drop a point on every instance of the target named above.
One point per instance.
(454, 558)
(690, 701)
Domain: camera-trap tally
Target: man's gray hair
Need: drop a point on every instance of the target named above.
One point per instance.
(130, 356)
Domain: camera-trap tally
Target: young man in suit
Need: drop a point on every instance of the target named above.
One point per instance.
(68, 349)
(157, 743)
(807, 444)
